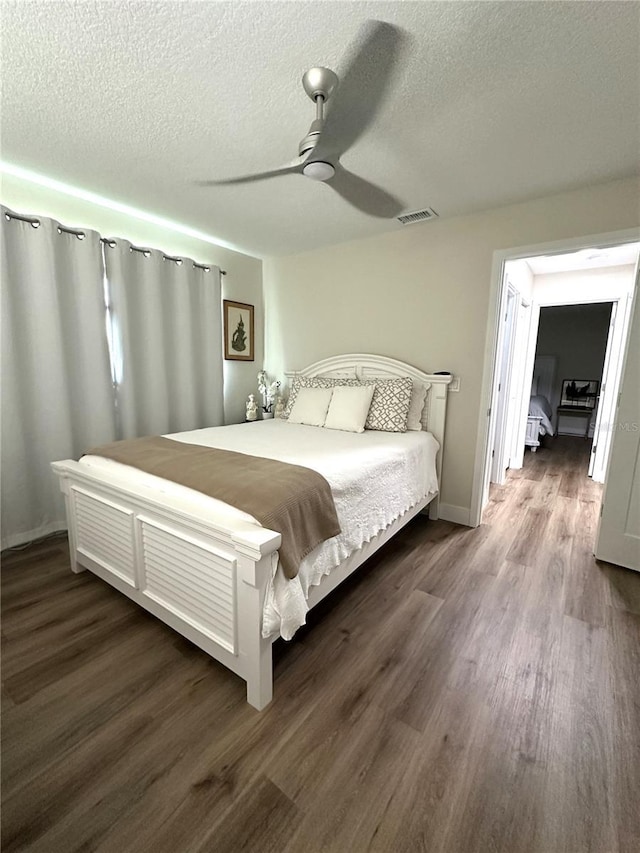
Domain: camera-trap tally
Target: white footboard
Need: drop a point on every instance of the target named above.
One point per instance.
(204, 578)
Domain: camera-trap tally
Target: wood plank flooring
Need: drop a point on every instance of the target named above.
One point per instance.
(468, 690)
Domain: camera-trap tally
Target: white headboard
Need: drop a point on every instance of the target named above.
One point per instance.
(366, 366)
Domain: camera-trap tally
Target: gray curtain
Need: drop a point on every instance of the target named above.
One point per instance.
(57, 393)
(166, 327)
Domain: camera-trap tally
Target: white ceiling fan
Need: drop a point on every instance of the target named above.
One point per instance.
(355, 101)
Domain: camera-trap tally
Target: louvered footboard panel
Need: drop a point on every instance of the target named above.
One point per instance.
(193, 580)
(104, 533)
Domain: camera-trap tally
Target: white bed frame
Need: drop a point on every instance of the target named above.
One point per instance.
(202, 575)
(544, 371)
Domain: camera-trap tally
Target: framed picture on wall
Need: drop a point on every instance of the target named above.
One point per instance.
(238, 331)
(580, 393)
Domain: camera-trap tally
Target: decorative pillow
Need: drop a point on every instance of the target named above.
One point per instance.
(296, 385)
(418, 396)
(390, 405)
(349, 407)
(314, 382)
(311, 406)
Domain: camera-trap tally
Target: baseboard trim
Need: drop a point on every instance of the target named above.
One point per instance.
(456, 514)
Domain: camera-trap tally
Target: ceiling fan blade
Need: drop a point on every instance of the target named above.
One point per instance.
(364, 196)
(292, 168)
(365, 80)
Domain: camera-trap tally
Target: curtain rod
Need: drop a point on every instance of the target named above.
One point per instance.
(32, 220)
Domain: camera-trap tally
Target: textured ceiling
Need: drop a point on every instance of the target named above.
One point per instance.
(494, 103)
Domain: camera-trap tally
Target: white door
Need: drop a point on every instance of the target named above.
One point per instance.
(500, 450)
(609, 389)
(517, 460)
(517, 380)
(618, 539)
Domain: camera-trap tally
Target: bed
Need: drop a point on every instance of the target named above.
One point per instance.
(212, 572)
(538, 421)
(540, 412)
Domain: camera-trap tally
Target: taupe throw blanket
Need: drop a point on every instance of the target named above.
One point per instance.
(294, 501)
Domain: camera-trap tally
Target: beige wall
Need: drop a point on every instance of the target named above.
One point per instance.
(421, 294)
(242, 283)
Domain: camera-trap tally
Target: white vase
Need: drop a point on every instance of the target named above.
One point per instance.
(267, 415)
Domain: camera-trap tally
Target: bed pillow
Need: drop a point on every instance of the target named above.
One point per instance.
(296, 385)
(418, 397)
(311, 406)
(314, 382)
(349, 407)
(390, 405)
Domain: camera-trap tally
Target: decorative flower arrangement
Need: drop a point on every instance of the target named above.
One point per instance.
(268, 390)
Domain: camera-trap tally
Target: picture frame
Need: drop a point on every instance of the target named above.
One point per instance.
(579, 393)
(239, 336)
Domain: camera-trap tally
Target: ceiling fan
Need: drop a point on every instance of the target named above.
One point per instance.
(355, 101)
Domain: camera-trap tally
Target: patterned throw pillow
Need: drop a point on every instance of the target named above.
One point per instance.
(313, 382)
(390, 405)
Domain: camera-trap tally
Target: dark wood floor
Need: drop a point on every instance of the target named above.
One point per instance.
(469, 690)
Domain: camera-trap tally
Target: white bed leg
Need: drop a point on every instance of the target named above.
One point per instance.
(433, 509)
(253, 579)
(65, 488)
(260, 679)
(76, 567)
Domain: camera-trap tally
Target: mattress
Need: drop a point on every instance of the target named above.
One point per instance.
(375, 478)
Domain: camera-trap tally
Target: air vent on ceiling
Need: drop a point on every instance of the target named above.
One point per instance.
(417, 216)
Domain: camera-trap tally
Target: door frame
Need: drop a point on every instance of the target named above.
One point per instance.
(610, 386)
(506, 352)
(497, 305)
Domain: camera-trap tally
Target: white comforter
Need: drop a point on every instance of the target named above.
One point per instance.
(375, 477)
(539, 407)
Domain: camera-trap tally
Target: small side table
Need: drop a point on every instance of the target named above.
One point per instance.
(577, 411)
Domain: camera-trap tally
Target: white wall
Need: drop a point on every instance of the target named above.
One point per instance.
(421, 294)
(242, 283)
(595, 285)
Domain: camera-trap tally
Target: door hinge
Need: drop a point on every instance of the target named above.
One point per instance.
(493, 453)
(601, 509)
(488, 412)
(618, 403)
(499, 386)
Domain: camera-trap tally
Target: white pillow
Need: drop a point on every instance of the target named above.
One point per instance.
(349, 408)
(418, 396)
(311, 406)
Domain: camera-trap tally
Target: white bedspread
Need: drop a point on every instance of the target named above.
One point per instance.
(375, 477)
(539, 407)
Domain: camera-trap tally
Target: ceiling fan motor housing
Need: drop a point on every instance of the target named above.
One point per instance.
(319, 83)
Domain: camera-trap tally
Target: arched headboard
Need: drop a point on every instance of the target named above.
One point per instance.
(366, 366)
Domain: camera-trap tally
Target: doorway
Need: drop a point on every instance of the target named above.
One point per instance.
(600, 278)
